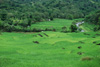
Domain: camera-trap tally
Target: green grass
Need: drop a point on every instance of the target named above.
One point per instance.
(87, 27)
(57, 50)
(56, 23)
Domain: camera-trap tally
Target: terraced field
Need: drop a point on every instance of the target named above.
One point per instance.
(56, 24)
(50, 49)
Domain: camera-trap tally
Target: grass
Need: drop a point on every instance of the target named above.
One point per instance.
(87, 27)
(56, 24)
(56, 50)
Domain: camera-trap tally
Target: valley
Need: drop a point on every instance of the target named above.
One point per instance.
(49, 33)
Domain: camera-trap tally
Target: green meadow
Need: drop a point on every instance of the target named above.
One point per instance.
(55, 24)
(88, 27)
(50, 49)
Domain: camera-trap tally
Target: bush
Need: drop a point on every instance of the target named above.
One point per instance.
(73, 28)
(48, 29)
(64, 29)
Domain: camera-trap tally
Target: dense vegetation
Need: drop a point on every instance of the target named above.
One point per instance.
(94, 19)
(18, 14)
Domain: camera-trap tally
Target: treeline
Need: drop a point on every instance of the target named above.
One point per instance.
(94, 18)
(16, 14)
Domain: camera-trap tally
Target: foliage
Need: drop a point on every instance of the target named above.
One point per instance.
(64, 29)
(73, 28)
(24, 13)
(94, 18)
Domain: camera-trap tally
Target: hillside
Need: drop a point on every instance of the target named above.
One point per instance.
(53, 49)
(49, 33)
(52, 8)
(24, 13)
(93, 20)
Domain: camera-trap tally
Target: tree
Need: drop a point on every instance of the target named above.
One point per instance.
(95, 29)
(29, 23)
(3, 16)
(0, 26)
(34, 11)
(51, 18)
(94, 19)
(1, 1)
(24, 25)
(73, 28)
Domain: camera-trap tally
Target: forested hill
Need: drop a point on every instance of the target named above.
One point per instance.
(26, 12)
(94, 18)
(43, 9)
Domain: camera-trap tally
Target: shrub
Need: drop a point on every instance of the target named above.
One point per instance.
(73, 28)
(48, 29)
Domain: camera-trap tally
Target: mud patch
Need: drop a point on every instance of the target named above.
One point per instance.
(86, 58)
(40, 35)
(79, 47)
(80, 53)
(98, 44)
(45, 34)
(36, 42)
